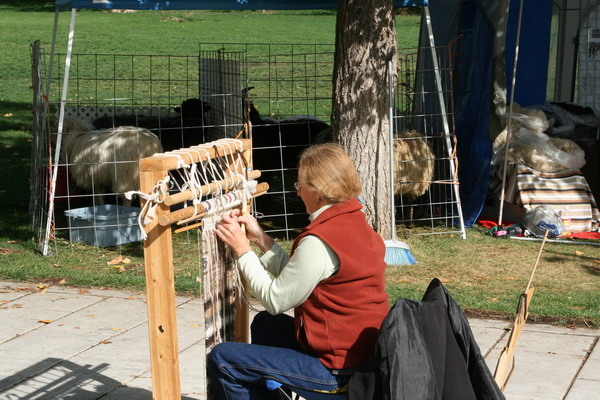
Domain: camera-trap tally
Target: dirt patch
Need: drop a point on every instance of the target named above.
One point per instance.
(5, 251)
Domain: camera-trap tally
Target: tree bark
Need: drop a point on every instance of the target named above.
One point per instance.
(365, 31)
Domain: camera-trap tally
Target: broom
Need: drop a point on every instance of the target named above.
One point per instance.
(396, 252)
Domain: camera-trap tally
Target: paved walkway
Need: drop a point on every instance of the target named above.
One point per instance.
(62, 342)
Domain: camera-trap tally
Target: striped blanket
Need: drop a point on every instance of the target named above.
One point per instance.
(529, 188)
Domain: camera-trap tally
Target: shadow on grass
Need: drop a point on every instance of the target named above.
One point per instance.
(29, 6)
(21, 116)
(15, 164)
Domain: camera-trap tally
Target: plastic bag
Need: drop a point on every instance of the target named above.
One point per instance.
(536, 122)
(543, 218)
(542, 153)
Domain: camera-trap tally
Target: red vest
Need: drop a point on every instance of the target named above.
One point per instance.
(340, 320)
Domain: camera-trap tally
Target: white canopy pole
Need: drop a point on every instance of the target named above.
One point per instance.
(510, 108)
(61, 117)
(52, 50)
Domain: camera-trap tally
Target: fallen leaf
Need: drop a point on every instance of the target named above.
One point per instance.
(121, 269)
(8, 115)
(503, 247)
(42, 288)
(495, 300)
(579, 308)
(579, 253)
(62, 281)
(90, 315)
(596, 261)
(131, 298)
(84, 291)
(571, 327)
(22, 289)
(11, 241)
(198, 279)
(116, 329)
(45, 321)
(195, 325)
(17, 306)
(105, 342)
(76, 327)
(119, 260)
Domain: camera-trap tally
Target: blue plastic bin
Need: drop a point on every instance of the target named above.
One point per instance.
(105, 225)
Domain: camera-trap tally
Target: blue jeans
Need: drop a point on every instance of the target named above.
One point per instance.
(237, 370)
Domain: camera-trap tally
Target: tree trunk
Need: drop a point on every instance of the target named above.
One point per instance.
(365, 31)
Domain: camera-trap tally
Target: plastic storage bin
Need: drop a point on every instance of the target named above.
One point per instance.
(103, 226)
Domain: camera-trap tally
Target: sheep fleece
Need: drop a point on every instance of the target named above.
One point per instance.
(107, 159)
(413, 162)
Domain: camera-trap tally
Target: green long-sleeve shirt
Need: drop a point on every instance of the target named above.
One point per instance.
(294, 277)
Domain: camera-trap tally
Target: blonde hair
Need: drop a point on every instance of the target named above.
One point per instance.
(327, 170)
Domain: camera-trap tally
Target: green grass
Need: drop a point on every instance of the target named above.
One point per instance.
(485, 275)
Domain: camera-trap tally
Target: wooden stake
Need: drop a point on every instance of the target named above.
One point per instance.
(506, 361)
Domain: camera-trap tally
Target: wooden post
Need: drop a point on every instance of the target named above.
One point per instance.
(242, 311)
(160, 292)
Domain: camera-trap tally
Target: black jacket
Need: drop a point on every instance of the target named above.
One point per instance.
(425, 351)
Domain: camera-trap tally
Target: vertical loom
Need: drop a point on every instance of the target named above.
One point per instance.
(224, 187)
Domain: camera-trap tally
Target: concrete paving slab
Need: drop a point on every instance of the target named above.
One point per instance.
(192, 367)
(97, 347)
(65, 379)
(487, 337)
(547, 360)
(583, 389)
(26, 313)
(595, 351)
(590, 371)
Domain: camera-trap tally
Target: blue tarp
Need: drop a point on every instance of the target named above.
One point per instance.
(534, 51)
(478, 22)
(213, 5)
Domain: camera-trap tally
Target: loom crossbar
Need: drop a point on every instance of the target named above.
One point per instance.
(158, 259)
(188, 212)
(209, 189)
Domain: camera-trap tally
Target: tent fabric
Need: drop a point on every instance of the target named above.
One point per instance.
(214, 5)
(482, 74)
(534, 51)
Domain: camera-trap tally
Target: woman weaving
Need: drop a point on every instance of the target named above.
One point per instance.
(333, 279)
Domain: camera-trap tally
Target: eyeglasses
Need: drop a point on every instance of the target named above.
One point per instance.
(297, 186)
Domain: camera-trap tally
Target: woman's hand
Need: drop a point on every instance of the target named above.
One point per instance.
(230, 232)
(254, 232)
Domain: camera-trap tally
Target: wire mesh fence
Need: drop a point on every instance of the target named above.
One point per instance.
(283, 91)
(426, 182)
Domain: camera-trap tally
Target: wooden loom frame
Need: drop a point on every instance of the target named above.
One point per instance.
(158, 258)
